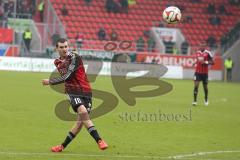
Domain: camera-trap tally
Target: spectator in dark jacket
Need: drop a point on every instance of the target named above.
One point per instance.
(211, 8)
(64, 10)
(140, 44)
(215, 20)
(211, 41)
(195, 1)
(79, 40)
(112, 6)
(88, 2)
(124, 6)
(151, 44)
(114, 35)
(222, 9)
(184, 47)
(101, 34)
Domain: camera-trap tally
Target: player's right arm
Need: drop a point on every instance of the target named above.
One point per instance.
(71, 69)
(45, 82)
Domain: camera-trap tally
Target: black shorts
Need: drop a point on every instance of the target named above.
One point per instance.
(77, 100)
(201, 77)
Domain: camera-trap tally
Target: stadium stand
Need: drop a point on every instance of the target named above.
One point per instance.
(87, 19)
(20, 9)
(141, 17)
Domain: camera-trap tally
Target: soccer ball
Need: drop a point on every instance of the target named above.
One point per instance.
(172, 14)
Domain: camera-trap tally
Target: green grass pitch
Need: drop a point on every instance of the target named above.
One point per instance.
(29, 127)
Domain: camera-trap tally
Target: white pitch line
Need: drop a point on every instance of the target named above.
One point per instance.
(200, 154)
(184, 156)
(79, 155)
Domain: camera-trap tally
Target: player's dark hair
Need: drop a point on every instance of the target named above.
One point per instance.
(61, 40)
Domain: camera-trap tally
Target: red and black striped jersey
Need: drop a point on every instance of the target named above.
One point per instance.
(72, 74)
(203, 59)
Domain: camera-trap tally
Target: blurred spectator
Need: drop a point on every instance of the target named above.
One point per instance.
(23, 8)
(55, 38)
(158, 24)
(188, 19)
(238, 25)
(20, 9)
(234, 2)
(109, 5)
(222, 9)
(236, 29)
(79, 40)
(228, 64)
(88, 2)
(101, 34)
(32, 7)
(168, 46)
(168, 5)
(211, 41)
(4, 20)
(8, 8)
(211, 8)
(123, 58)
(114, 36)
(146, 33)
(27, 38)
(224, 40)
(195, 1)
(151, 44)
(161, 24)
(184, 47)
(1, 11)
(233, 34)
(112, 6)
(181, 7)
(230, 38)
(175, 50)
(140, 44)
(41, 10)
(124, 6)
(215, 20)
(131, 2)
(64, 10)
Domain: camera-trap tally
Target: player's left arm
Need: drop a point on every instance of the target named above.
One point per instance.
(71, 69)
(195, 60)
(210, 59)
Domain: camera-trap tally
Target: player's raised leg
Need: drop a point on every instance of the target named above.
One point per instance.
(82, 111)
(71, 135)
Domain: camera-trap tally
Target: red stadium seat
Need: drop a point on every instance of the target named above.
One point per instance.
(140, 17)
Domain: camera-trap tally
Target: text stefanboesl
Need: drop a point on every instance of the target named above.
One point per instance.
(158, 116)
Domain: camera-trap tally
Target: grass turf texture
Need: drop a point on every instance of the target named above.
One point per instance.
(29, 126)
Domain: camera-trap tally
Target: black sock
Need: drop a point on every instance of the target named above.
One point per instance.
(195, 92)
(93, 132)
(206, 93)
(68, 139)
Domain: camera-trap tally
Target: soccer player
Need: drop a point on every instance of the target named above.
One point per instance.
(77, 88)
(203, 59)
